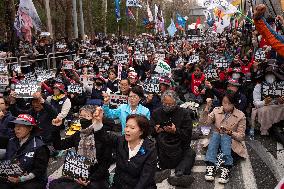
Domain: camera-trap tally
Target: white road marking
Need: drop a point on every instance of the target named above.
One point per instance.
(248, 175)
(199, 169)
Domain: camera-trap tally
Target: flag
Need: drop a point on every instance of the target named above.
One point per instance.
(117, 10)
(180, 21)
(222, 5)
(172, 28)
(156, 9)
(209, 19)
(129, 14)
(163, 25)
(198, 21)
(149, 13)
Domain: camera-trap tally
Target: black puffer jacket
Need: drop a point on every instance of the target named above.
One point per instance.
(137, 172)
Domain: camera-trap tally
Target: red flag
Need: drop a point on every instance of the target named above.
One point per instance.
(198, 21)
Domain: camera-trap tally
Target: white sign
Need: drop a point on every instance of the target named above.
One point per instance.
(4, 80)
(132, 3)
(221, 62)
(121, 58)
(260, 54)
(116, 100)
(162, 67)
(193, 59)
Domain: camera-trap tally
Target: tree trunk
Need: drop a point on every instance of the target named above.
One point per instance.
(10, 18)
(68, 19)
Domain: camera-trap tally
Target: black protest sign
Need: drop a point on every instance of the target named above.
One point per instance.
(75, 88)
(121, 58)
(193, 59)
(151, 85)
(26, 90)
(211, 72)
(9, 168)
(260, 54)
(3, 68)
(273, 90)
(116, 100)
(68, 65)
(221, 62)
(4, 80)
(76, 166)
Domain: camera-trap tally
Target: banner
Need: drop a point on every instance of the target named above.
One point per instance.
(162, 67)
(133, 3)
(273, 90)
(116, 100)
(75, 88)
(9, 168)
(76, 166)
(26, 90)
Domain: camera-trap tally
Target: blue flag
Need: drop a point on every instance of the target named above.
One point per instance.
(117, 10)
(181, 21)
(172, 28)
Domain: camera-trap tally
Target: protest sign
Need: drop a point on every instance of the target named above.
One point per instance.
(162, 67)
(3, 68)
(26, 90)
(87, 79)
(4, 80)
(16, 68)
(105, 54)
(273, 90)
(139, 56)
(68, 65)
(151, 85)
(116, 100)
(211, 72)
(29, 78)
(260, 54)
(132, 3)
(193, 59)
(160, 56)
(76, 166)
(9, 168)
(75, 88)
(221, 62)
(121, 58)
(119, 71)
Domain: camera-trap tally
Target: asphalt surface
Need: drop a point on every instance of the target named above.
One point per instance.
(262, 170)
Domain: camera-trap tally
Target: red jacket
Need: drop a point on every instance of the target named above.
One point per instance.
(195, 82)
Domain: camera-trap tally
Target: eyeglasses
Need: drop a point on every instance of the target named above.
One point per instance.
(133, 97)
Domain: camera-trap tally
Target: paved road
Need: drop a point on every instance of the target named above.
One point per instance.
(262, 170)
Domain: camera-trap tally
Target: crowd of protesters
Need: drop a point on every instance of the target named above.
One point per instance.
(231, 81)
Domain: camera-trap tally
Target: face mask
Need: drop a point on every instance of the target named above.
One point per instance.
(270, 78)
(85, 123)
(169, 108)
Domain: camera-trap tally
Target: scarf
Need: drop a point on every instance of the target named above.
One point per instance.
(87, 146)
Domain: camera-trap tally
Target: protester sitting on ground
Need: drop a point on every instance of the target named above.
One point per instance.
(227, 135)
(136, 156)
(88, 146)
(29, 151)
(60, 102)
(172, 130)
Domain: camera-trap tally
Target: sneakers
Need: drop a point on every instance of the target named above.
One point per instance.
(210, 173)
(224, 177)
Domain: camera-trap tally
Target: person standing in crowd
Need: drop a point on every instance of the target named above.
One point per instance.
(5, 117)
(60, 102)
(136, 156)
(29, 150)
(133, 107)
(172, 131)
(88, 146)
(124, 87)
(228, 135)
(112, 82)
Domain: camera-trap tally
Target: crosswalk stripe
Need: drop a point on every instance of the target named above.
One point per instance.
(248, 175)
(199, 169)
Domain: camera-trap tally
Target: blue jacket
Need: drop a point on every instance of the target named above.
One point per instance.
(123, 111)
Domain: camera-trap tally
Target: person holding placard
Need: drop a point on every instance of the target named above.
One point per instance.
(136, 154)
(31, 153)
(133, 107)
(88, 146)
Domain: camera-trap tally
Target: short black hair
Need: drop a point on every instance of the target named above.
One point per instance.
(231, 97)
(138, 90)
(142, 122)
(125, 79)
